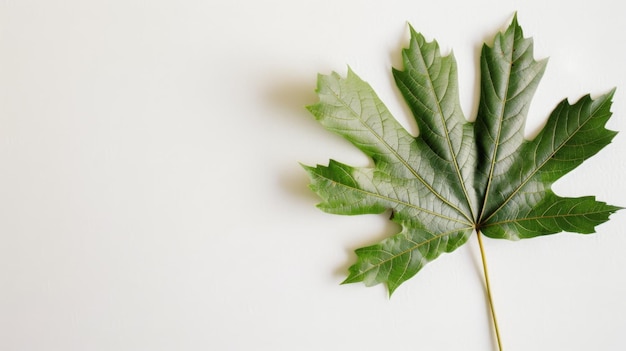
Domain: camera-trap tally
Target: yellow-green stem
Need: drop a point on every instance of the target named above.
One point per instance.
(488, 287)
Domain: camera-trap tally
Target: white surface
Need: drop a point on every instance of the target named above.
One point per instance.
(151, 197)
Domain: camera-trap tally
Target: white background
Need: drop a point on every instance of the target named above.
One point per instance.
(151, 196)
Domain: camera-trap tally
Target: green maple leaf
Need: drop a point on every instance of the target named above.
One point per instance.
(456, 178)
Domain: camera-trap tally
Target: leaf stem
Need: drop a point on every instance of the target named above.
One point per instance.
(488, 287)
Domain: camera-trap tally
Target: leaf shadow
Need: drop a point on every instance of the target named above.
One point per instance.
(297, 184)
(291, 99)
(293, 96)
(381, 230)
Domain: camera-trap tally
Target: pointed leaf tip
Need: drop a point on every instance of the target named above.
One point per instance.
(412, 30)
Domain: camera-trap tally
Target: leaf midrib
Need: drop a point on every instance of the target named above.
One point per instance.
(412, 248)
(396, 154)
(445, 128)
(398, 201)
(566, 215)
(543, 163)
(497, 140)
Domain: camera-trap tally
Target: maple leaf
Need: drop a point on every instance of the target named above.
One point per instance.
(456, 177)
